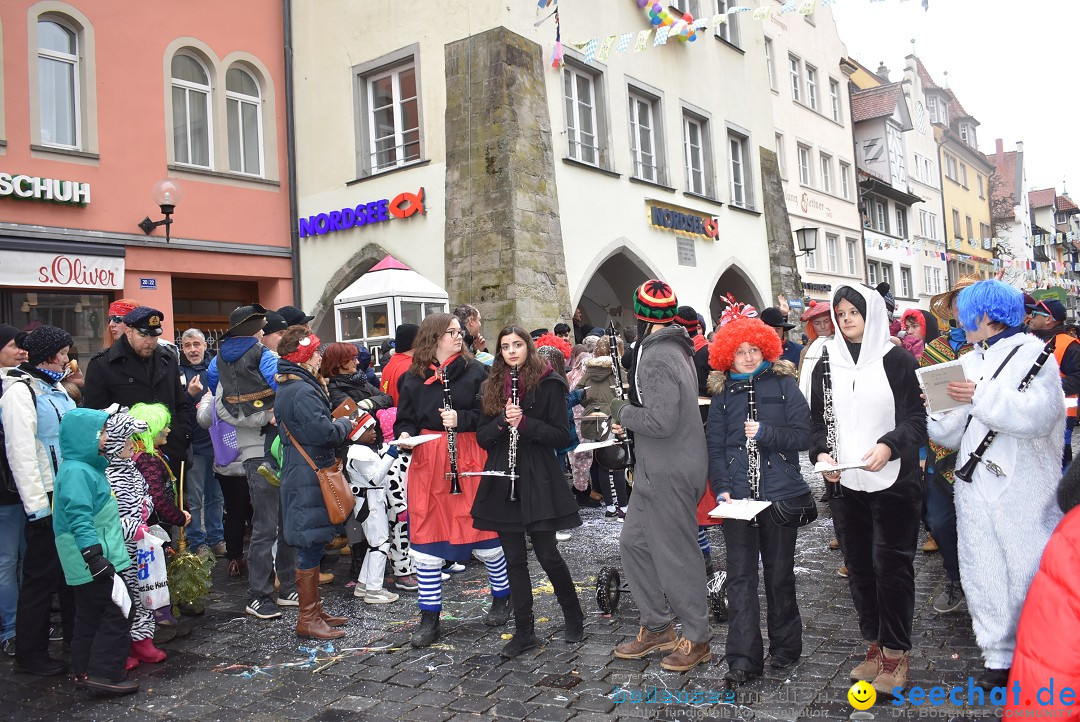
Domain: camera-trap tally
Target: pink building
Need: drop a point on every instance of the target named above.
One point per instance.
(98, 102)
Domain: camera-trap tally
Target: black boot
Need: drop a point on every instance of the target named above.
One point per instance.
(709, 568)
(428, 631)
(575, 622)
(523, 640)
(356, 563)
(499, 614)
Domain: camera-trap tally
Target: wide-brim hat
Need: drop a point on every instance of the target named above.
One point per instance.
(246, 320)
(941, 304)
(772, 316)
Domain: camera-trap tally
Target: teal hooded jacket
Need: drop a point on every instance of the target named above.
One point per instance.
(84, 508)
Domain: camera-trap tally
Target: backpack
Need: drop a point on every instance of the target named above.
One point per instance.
(7, 479)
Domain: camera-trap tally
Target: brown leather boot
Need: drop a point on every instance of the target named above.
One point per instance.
(331, 619)
(647, 641)
(870, 667)
(894, 667)
(309, 623)
(687, 655)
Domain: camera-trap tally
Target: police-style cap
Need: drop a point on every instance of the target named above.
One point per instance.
(145, 320)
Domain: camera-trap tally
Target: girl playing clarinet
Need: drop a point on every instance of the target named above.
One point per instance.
(757, 410)
(438, 394)
(525, 426)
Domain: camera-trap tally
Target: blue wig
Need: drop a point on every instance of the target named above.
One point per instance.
(999, 302)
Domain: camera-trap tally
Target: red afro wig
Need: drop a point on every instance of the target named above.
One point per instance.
(742, 330)
(550, 339)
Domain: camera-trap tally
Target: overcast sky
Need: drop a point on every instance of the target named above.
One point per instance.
(1011, 65)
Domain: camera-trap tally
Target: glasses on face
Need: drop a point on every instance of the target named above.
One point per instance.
(748, 353)
(116, 319)
(455, 333)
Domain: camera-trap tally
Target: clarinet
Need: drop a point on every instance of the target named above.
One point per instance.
(616, 370)
(835, 488)
(967, 471)
(753, 454)
(451, 434)
(512, 496)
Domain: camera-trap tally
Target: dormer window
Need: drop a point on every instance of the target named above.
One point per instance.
(937, 109)
(967, 134)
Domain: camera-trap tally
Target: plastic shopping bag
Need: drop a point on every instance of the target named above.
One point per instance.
(153, 578)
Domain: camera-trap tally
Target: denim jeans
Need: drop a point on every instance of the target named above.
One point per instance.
(12, 548)
(941, 518)
(266, 528)
(204, 502)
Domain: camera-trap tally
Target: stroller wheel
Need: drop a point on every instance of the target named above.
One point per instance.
(717, 588)
(608, 590)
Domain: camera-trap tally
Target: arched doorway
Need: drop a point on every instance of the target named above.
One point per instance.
(609, 294)
(734, 281)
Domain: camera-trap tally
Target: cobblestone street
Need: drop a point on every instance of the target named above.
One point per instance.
(234, 667)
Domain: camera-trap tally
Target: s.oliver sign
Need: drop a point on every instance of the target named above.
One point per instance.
(61, 270)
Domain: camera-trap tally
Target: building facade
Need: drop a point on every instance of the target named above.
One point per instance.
(814, 148)
(92, 115)
(543, 189)
(1009, 211)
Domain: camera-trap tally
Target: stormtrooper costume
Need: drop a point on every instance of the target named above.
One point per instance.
(367, 472)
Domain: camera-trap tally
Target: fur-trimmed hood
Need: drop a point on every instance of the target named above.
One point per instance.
(599, 361)
(715, 384)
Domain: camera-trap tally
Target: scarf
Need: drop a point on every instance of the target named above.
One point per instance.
(743, 377)
(54, 375)
(434, 366)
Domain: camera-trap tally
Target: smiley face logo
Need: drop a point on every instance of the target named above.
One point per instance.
(862, 695)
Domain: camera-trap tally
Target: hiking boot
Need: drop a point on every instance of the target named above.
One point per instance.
(325, 577)
(263, 608)
(894, 667)
(991, 678)
(834, 544)
(931, 545)
(687, 655)
(870, 667)
(842, 571)
(337, 542)
(950, 599)
(428, 631)
(647, 641)
(499, 613)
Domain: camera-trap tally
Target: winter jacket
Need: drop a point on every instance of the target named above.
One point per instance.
(249, 437)
(1070, 360)
(356, 387)
(200, 437)
(785, 431)
(32, 407)
(160, 483)
(84, 508)
(664, 415)
(118, 376)
(598, 383)
(232, 349)
(875, 399)
(303, 408)
(545, 502)
(1048, 636)
(792, 352)
(392, 372)
(420, 403)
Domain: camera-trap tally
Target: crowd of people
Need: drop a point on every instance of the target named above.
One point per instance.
(457, 451)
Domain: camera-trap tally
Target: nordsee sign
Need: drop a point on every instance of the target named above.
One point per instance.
(29, 187)
(682, 222)
(365, 214)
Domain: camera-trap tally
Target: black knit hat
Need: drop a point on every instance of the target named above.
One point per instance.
(44, 342)
(274, 322)
(686, 317)
(7, 333)
(405, 337)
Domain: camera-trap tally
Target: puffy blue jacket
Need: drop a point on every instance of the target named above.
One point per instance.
(784, 416)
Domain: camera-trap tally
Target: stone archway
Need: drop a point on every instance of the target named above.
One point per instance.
(609, 293)
(735, 281)
(358, 264)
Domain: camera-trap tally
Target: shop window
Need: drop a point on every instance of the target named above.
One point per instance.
(83, 315)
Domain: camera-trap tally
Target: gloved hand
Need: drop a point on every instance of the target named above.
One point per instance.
(366, 404)
(100, 567)
(617, 405)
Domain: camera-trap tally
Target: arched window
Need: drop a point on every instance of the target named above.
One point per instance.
(192, 137)
(58, 83)
(243, 106)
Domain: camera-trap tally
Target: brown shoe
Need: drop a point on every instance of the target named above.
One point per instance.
(834, 544)
(894, 667)
(337, 542)
(237, 567)
(842, 571)
(310, 623)
(687, 655)
(326, 577)
(931, 544)
(870, 667)
(646, 642)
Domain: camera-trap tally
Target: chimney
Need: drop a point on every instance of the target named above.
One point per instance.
(883, 71)
(1019, 146)
(1000, 152)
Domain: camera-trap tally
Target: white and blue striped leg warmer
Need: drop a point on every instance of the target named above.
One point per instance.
(429, 581)
(496, 567)
(703, 540)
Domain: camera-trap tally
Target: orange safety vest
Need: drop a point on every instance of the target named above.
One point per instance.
(1061, 344)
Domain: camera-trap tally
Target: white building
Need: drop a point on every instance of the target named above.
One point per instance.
(653, 169)
(812, 114)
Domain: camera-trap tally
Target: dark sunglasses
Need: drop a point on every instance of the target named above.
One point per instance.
(116, 319)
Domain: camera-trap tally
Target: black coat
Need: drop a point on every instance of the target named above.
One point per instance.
(303, 407)
(200, 437)
(357, 387)
(419, 404)
(784, 416)
(545, 502)
(118, 376)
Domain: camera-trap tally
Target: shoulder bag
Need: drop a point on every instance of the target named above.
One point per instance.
(336, 494)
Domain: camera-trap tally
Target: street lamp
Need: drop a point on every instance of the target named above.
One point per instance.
(166, 194)
(807, 239)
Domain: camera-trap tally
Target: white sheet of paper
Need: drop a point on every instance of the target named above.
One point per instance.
(745, 509)
(702, 401)
(934, 379)
(1070, 402)
(823, 468)
(120, 595)
(591, 445)
(414, 441)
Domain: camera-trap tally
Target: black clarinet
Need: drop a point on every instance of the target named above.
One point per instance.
(835, 488)
(967, 471)
(753, 454)
(451, 434)
(616, 370)
(512, 496)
